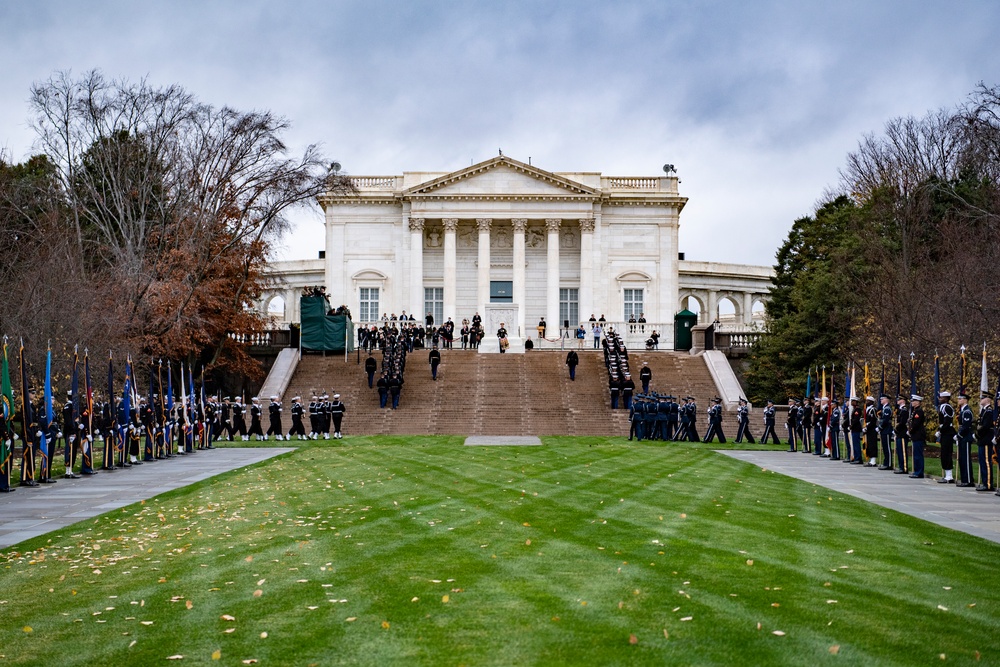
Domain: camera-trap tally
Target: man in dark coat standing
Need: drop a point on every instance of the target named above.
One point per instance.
(572, 360)
(434, 359)
(645, 375)
(370, 367)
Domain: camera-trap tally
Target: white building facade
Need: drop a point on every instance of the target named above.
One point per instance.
(554, 246)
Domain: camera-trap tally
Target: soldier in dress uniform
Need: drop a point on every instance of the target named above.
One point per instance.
(769, 424)
(645, 375)
(434, 359)
(628, 388)
(71, 435)
(917, 430)
(7, 434)
(692, 426)
(835, 416)
(871, 432)
(966, 431)
(857, 425)
(673, 418)
(370, 367)
(502, 338)
(383, 389)
(337, 410)
(715, 422)
(902, 436)
(395, 389)
(743, 419)
(256, 430)
(314, 425)
(791, 423)
(148, 430)
(946, 436)
(885, 431)
(274, 418)
(652, 427)
(239, 420)
(298, 428)
(821, 407)
(683, 417)
(635, 416)
(805, 423)
(984, 439)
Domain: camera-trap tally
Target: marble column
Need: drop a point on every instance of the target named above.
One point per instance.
(417, 267)
(450, 267)
(586, 267)
(519, 225)
(747, 307)
(552, 276)
(483, 282)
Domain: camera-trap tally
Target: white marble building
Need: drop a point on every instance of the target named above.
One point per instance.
(559, 246)
(509, 236)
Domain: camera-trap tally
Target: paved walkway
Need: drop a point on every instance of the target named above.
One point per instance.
(967, 510)
(31, 512)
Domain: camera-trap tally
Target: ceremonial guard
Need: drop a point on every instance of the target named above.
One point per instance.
(148, 422)
(946, 437)
(743, 420)
(769, 424)
(337, 410)
(434, 359)
(71, 434)
(966, 431)
(635, 417)
(29, 427)
(857, 422)
(395, 389)
(298, 428)
(821, 407)
(692, 426)
(806, 423)
(239, 420)
(918, 435)
(790, 423)
(502, 338)
(314, 418)
(645, 375)
(256, 429)
(383, 390)
(370, 367)
(652, 426)
(902, 437)
(871, 431)
(715, 422)
(7, 456)
(885, 431)
(835, 416)
(628, 388)
(986, 447)
(226, 412)
(274, 417)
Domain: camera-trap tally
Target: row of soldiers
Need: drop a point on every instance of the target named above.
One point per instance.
(127, 434)
(892, 435)
(325, 415)
(654, 416)
(390, 383)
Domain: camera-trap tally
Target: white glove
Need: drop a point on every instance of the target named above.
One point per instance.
(60, 434)
(38, 434)
(937, 435)
(17, 437)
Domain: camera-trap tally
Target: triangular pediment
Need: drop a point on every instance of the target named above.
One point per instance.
(501, 176)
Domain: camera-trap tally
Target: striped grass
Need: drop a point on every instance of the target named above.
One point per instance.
(406, 550)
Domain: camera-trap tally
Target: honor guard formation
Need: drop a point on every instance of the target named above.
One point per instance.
(126, 425)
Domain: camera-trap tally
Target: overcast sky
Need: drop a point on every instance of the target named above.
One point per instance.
(756, 103)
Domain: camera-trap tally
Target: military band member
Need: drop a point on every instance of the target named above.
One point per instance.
(946, 437)
(715, 421)
(769, 424)
(902, 437)
(239, 419)
(918, 435)
(966, 431)
(986, 448)
(885, 431)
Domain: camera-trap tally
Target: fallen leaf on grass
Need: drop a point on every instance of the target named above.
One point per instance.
(251, 661)
(415, 599)
(216, 654)
(257, 593)
(248, 559)
(351, 619)
(666, 635)
(189, 604)
(778, 633)
(444, 598)
(146, 622)
(132, 644)
(942, 608)
(27, 628)
(263, 635)
(835, 649)
(632, 639)
(385, 625)
(687, 618)
(175, 657)
(227, 617)
(229, 631)
(749, 561)
(528, 542)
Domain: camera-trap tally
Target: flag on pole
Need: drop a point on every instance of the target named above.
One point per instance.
(854, 381)
(7, 398)
(984, 382)
(899, 375)
(937, 382)
(868, 381)
(822, 386)
(881, 382)
(961, 384)
(184, 398)
(88, 403)
(27, 453)
(848, 386)
(913, 373)
(46, 420)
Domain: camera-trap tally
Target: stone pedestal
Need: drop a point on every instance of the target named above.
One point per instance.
(494, 314)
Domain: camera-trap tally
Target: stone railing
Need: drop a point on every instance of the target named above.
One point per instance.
(374, 182)
(736, 342)
(632, 182)
(269, 338)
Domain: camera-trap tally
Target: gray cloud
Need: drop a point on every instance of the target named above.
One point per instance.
(757, 103)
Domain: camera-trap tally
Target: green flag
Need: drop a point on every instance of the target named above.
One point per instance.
(7, 397)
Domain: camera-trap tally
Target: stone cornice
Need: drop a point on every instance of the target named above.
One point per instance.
(572, 187)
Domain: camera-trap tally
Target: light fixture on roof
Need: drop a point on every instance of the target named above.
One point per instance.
(669, 169)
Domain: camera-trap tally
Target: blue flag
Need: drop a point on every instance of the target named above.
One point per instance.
(46, 420)
(808, 383)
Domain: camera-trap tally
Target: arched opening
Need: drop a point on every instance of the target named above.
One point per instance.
(276, 307)
(694, 304)
(758, 309)
(729, 310)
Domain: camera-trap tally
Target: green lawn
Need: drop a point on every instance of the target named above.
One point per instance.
(422, 551)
